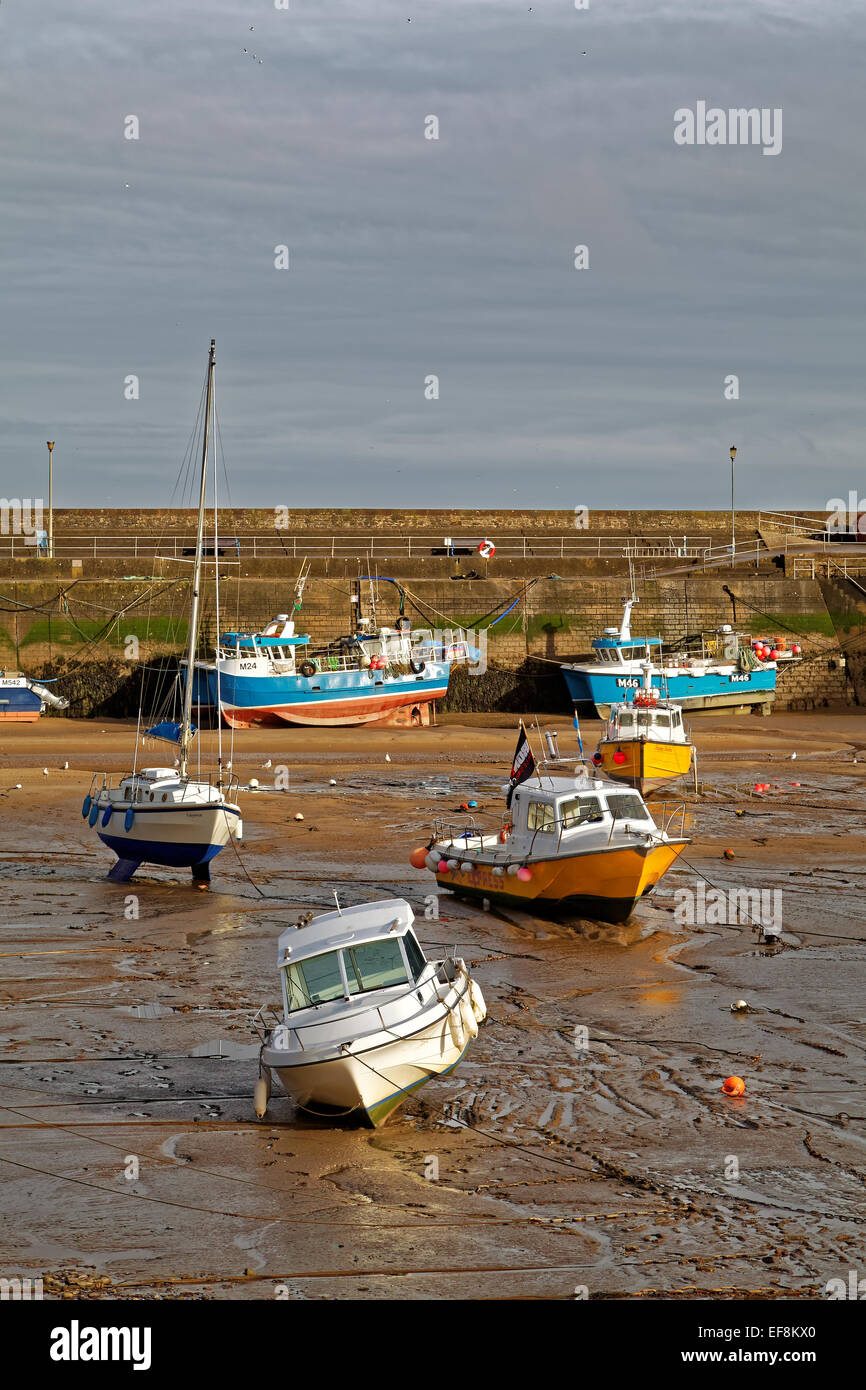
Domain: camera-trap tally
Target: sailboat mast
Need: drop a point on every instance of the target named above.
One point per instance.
(186, 719)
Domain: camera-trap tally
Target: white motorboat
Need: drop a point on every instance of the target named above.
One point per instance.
(367, 1019)
(163, 815)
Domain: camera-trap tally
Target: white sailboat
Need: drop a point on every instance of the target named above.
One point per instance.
(163, 815)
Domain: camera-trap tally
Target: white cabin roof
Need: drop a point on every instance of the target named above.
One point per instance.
(351, 927)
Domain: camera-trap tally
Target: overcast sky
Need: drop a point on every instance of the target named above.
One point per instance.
(411, 257)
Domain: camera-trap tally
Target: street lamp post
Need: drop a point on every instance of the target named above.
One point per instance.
(733, 452)
(50, 499)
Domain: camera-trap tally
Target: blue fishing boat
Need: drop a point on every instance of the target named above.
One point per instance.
(23, 700)
(722, 668)
(277, 677)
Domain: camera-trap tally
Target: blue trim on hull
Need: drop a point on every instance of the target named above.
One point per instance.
(154, 852)
(249, 693)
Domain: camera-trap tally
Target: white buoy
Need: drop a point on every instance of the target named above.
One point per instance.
(254, 782)
(17, 787)
(740, 1007)
(793, 756)
(298, 816)
(65, 766)
(332, 782)
(260, 1097)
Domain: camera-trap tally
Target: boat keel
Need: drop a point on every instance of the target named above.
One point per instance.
(123, 870)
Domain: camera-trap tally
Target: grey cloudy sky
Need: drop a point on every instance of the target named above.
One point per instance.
(559, 387)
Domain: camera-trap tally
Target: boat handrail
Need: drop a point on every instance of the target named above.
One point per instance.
(670, 816)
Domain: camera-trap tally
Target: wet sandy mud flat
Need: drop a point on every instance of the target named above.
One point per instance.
(551, 1160)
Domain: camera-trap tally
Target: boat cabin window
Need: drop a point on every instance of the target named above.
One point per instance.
(414, 955)
(541, 816)
(314, 981)
(662, 719)
(626, 719)
(580, 811)
(377, 965)
(627, 806)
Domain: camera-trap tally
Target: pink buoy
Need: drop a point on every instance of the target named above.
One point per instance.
(524, 874)
(442, 866)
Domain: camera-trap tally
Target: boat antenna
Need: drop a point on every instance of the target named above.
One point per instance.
(186, 719)
(337, 901)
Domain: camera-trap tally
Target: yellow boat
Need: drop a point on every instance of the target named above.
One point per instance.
(646, 744)
(570, 845)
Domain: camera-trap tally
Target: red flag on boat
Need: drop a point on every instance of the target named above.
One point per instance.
(522, 764)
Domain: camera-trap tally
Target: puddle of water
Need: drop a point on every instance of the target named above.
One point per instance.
(223, 1048)
(149, 1010)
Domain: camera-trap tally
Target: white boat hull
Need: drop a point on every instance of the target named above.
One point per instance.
(373, 1076)
(175, 832)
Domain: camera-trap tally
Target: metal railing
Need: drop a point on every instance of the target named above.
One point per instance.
(368, 545)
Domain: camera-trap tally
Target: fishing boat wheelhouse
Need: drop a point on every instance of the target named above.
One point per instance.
(570, 844)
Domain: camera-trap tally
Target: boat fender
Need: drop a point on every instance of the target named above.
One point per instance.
(403, 624)
(467, 1014)
(128, 819)
(307, 668)
(260, 1097)
(455, 1026)
(94, 812)
(513, 869)
(433, 862)
(476, 998)
(417, 667)
(106, 815)
(85, 807)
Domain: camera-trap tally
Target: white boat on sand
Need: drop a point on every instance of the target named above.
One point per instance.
(367, 1019)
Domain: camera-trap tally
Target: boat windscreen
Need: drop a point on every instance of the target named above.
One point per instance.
(579, 810)
(314, 981)
(414, 954)
(377, 965)
(627, 806)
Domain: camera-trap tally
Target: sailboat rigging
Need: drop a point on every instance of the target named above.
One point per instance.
(161, 815)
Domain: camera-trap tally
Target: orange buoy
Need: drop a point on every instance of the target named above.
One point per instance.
(729, 854)
(734, 1086)
(418, 858)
